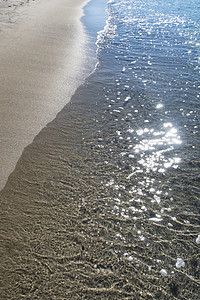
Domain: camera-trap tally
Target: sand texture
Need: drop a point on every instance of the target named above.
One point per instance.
(42, 54)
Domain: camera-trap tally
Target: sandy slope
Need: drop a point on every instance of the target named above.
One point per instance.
(41, 64)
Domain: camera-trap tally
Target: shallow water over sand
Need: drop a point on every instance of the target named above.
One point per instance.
(104, 204)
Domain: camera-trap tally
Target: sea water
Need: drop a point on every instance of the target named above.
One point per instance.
(106, 199)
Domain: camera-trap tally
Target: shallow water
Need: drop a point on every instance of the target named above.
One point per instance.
(105, 203)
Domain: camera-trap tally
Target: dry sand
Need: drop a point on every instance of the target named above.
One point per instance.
(42, 55)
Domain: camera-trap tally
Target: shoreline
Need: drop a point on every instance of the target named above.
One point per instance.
(43, 58)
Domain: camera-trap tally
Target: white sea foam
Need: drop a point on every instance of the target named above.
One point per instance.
(180, 263)
(163, 272)
(198, 239)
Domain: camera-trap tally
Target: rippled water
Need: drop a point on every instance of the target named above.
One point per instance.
(105, 203)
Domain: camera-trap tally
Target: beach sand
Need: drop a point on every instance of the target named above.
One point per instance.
(42, 62)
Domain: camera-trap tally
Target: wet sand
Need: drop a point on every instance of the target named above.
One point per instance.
(42, 62)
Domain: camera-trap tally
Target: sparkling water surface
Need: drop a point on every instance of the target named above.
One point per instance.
(105, 203)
